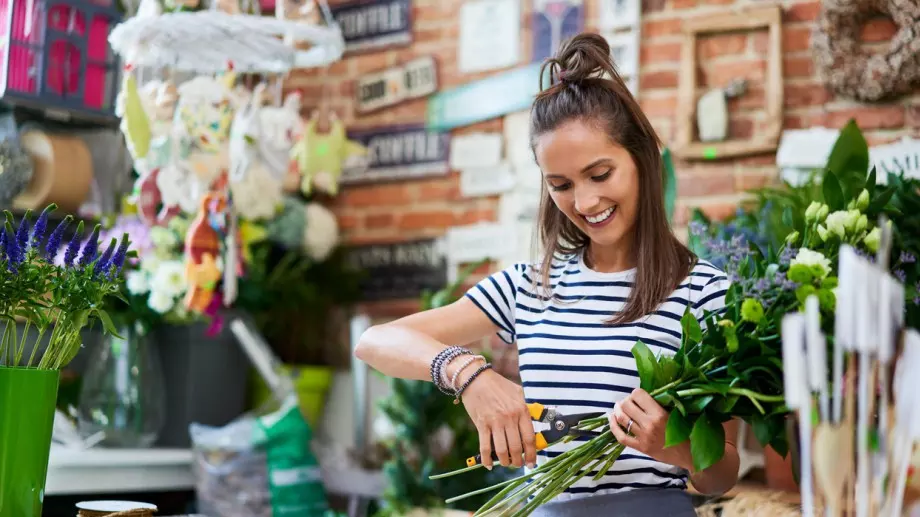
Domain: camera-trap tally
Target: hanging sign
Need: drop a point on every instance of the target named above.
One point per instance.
(374, 24)
(400, 152)
(902, 156)
(555, 21)
(415, 79)
(485, 99)
(400, 270)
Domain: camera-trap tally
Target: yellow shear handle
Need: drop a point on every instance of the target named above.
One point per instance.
(540, 443)
(536, 410)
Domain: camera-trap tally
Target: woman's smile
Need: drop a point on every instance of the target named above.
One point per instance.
(601, 219)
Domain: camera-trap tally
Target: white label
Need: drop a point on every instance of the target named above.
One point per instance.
(475, 150)
(415, 79)
(296, 476)
(489, 35)
(619, 14)
(486, 181)
(901, 156)
(480, 241)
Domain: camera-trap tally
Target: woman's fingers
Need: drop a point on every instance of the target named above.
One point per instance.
(529, 440)
(501, 445)
(646, 403)
(633, 412)
(620, 434)
(485, 447)
(515, 445)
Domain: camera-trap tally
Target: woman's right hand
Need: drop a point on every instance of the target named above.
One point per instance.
(500, 413)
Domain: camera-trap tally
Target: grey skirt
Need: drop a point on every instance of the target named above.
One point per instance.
(669, 502)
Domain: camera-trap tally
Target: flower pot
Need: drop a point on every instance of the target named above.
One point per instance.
(27, 401)
(312, 385)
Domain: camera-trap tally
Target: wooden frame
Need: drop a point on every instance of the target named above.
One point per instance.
(748, 19)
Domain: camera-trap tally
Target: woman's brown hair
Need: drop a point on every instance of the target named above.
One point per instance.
(586, 87)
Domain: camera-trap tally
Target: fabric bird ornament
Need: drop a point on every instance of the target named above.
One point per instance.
(320, 158)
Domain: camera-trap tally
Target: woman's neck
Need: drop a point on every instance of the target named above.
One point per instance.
(610, 259)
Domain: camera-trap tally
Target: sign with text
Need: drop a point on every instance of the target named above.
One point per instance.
(902, 156)
(417, 78)
(400, 152)
(400, 270)
(374, 24)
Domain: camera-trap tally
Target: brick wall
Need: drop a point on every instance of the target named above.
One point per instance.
(425, 208)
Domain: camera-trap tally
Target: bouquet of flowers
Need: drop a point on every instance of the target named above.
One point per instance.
(729, 364)
(55, 287)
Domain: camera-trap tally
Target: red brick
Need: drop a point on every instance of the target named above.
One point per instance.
(716, 211)
(876, 117)
(683, 4)
(721, 45)
(662, 79)
(408, 111)
(793, 122)
(376, 195)
(752, 99)
(656, 28)
(378, 220)
(877, 30)
(653, 6)
(367, 63)
(709, 182)
(806, 95)
(439, 189)
(756, 160)
(660, 53)
(659, 106)
(718, 2)
(347, 222)
(796, 39)
(476, 216)
(740, 128)
(798, 67)
(803, 12)
(912, 116)
(749, 180)
(427, 219)
(718, 76)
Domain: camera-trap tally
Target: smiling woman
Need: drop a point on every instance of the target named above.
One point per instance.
(613, 273)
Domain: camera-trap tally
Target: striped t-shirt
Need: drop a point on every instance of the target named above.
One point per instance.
(572, 360)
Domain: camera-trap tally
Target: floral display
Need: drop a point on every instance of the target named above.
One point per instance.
(54, 284)
(729, 364)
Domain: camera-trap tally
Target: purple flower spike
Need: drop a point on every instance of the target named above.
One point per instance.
(2, 241)
(54, 241)
(907, 258)
(104, 264)
(91, 248)
(70, 255)
(12, 249)
(41, 225)
(119, 259)
(22, 234)
(901, 275)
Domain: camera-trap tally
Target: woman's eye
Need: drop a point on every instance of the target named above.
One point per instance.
(559, 188)
(601, 177)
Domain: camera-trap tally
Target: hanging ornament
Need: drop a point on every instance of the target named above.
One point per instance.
(320, 157)
(256, 191)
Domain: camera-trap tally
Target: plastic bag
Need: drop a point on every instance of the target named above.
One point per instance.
(258, 466)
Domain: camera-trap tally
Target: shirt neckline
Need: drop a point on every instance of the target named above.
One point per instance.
(627, 274)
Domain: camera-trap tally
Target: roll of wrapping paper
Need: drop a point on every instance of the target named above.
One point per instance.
(115, 509)
(63, 171)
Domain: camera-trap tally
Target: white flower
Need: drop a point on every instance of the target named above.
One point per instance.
(150, 263)
(383, 428)
(813, 260)
(136, 282)
(322, 232)
(163, 239)
(838, 222)
(160, 301)
(872, 239)
(170, 278)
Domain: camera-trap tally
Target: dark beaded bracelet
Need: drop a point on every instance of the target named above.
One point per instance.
(440, 361)
(466, 384)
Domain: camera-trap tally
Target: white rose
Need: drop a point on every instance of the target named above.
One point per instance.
(813, 260)
(150, 263)
(837, 222)
(160, 301)
(170, 278)
(322, 232)
(136, 282)
(163, 239)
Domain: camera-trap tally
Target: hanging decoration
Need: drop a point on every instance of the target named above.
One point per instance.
(851, 71)
(210, 150)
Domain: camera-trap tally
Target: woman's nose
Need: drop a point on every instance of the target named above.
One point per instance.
(586, 201)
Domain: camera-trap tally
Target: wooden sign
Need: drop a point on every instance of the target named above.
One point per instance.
(374, 24)
(400, 152)
(400, 270)
(417, 78)
(488, 98)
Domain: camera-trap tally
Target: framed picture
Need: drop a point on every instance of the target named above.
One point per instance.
(619, 14)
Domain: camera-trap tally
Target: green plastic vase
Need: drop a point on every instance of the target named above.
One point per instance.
(27, 401)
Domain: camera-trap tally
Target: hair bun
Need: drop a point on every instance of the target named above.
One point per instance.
(584, 56)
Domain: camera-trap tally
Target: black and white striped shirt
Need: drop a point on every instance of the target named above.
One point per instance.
(572, 360)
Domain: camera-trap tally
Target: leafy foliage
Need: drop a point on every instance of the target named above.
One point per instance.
(421, 414)
(62, 296)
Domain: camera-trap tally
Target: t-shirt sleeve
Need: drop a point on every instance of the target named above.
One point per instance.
(495, 296)
(711, 297)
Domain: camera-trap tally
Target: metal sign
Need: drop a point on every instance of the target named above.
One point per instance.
(417, 78)
(374, 24)
(400, 270)
(400, 152)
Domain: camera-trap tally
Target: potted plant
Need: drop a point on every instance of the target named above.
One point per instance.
(56, 292)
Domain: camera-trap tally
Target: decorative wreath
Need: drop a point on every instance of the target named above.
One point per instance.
(849, 70)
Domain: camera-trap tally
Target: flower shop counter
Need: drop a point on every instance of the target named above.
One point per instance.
(118, 470)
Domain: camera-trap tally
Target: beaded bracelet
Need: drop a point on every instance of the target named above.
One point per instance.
(471, 360)
(446, 356)
(469, 381)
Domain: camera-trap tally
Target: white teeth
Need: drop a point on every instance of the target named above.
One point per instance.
(600, 217)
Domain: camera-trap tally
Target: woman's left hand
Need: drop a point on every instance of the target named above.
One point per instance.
(646, 422)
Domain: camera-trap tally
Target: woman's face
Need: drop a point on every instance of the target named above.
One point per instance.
(593, 181)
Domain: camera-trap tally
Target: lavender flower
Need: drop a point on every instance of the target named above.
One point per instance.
(787, 255)
(54, 241)
(41, 225)
(104, 264)
(70, 255)
(697, 228)
(14, 253)
(119, 259)
(2, 240)
(22, 234)
(91, 248)
(907, 258)
(901, 275)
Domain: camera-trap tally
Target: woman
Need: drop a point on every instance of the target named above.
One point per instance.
(613, 273)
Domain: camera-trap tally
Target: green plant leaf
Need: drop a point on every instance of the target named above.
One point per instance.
(646, 364)
(871, 181)
(691, 327)
(849, 158)
(833, 193)
(668, 370)
(879, 202)
(677, 430)
(725, 404)
(675, 400)
(787, 217)
(698, 404)
(707, 442)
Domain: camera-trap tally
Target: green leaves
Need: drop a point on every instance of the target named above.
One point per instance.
(707, 442)
(647, 366)
(678, 429)
(692, 331)
(833, 192)
(849, 161)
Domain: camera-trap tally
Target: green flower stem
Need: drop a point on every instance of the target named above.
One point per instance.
(22, 342)
(455, 472)
(41, 334)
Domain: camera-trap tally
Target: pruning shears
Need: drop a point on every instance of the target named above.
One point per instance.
(560, 426)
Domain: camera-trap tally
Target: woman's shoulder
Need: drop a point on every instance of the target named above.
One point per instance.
(705, 271)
